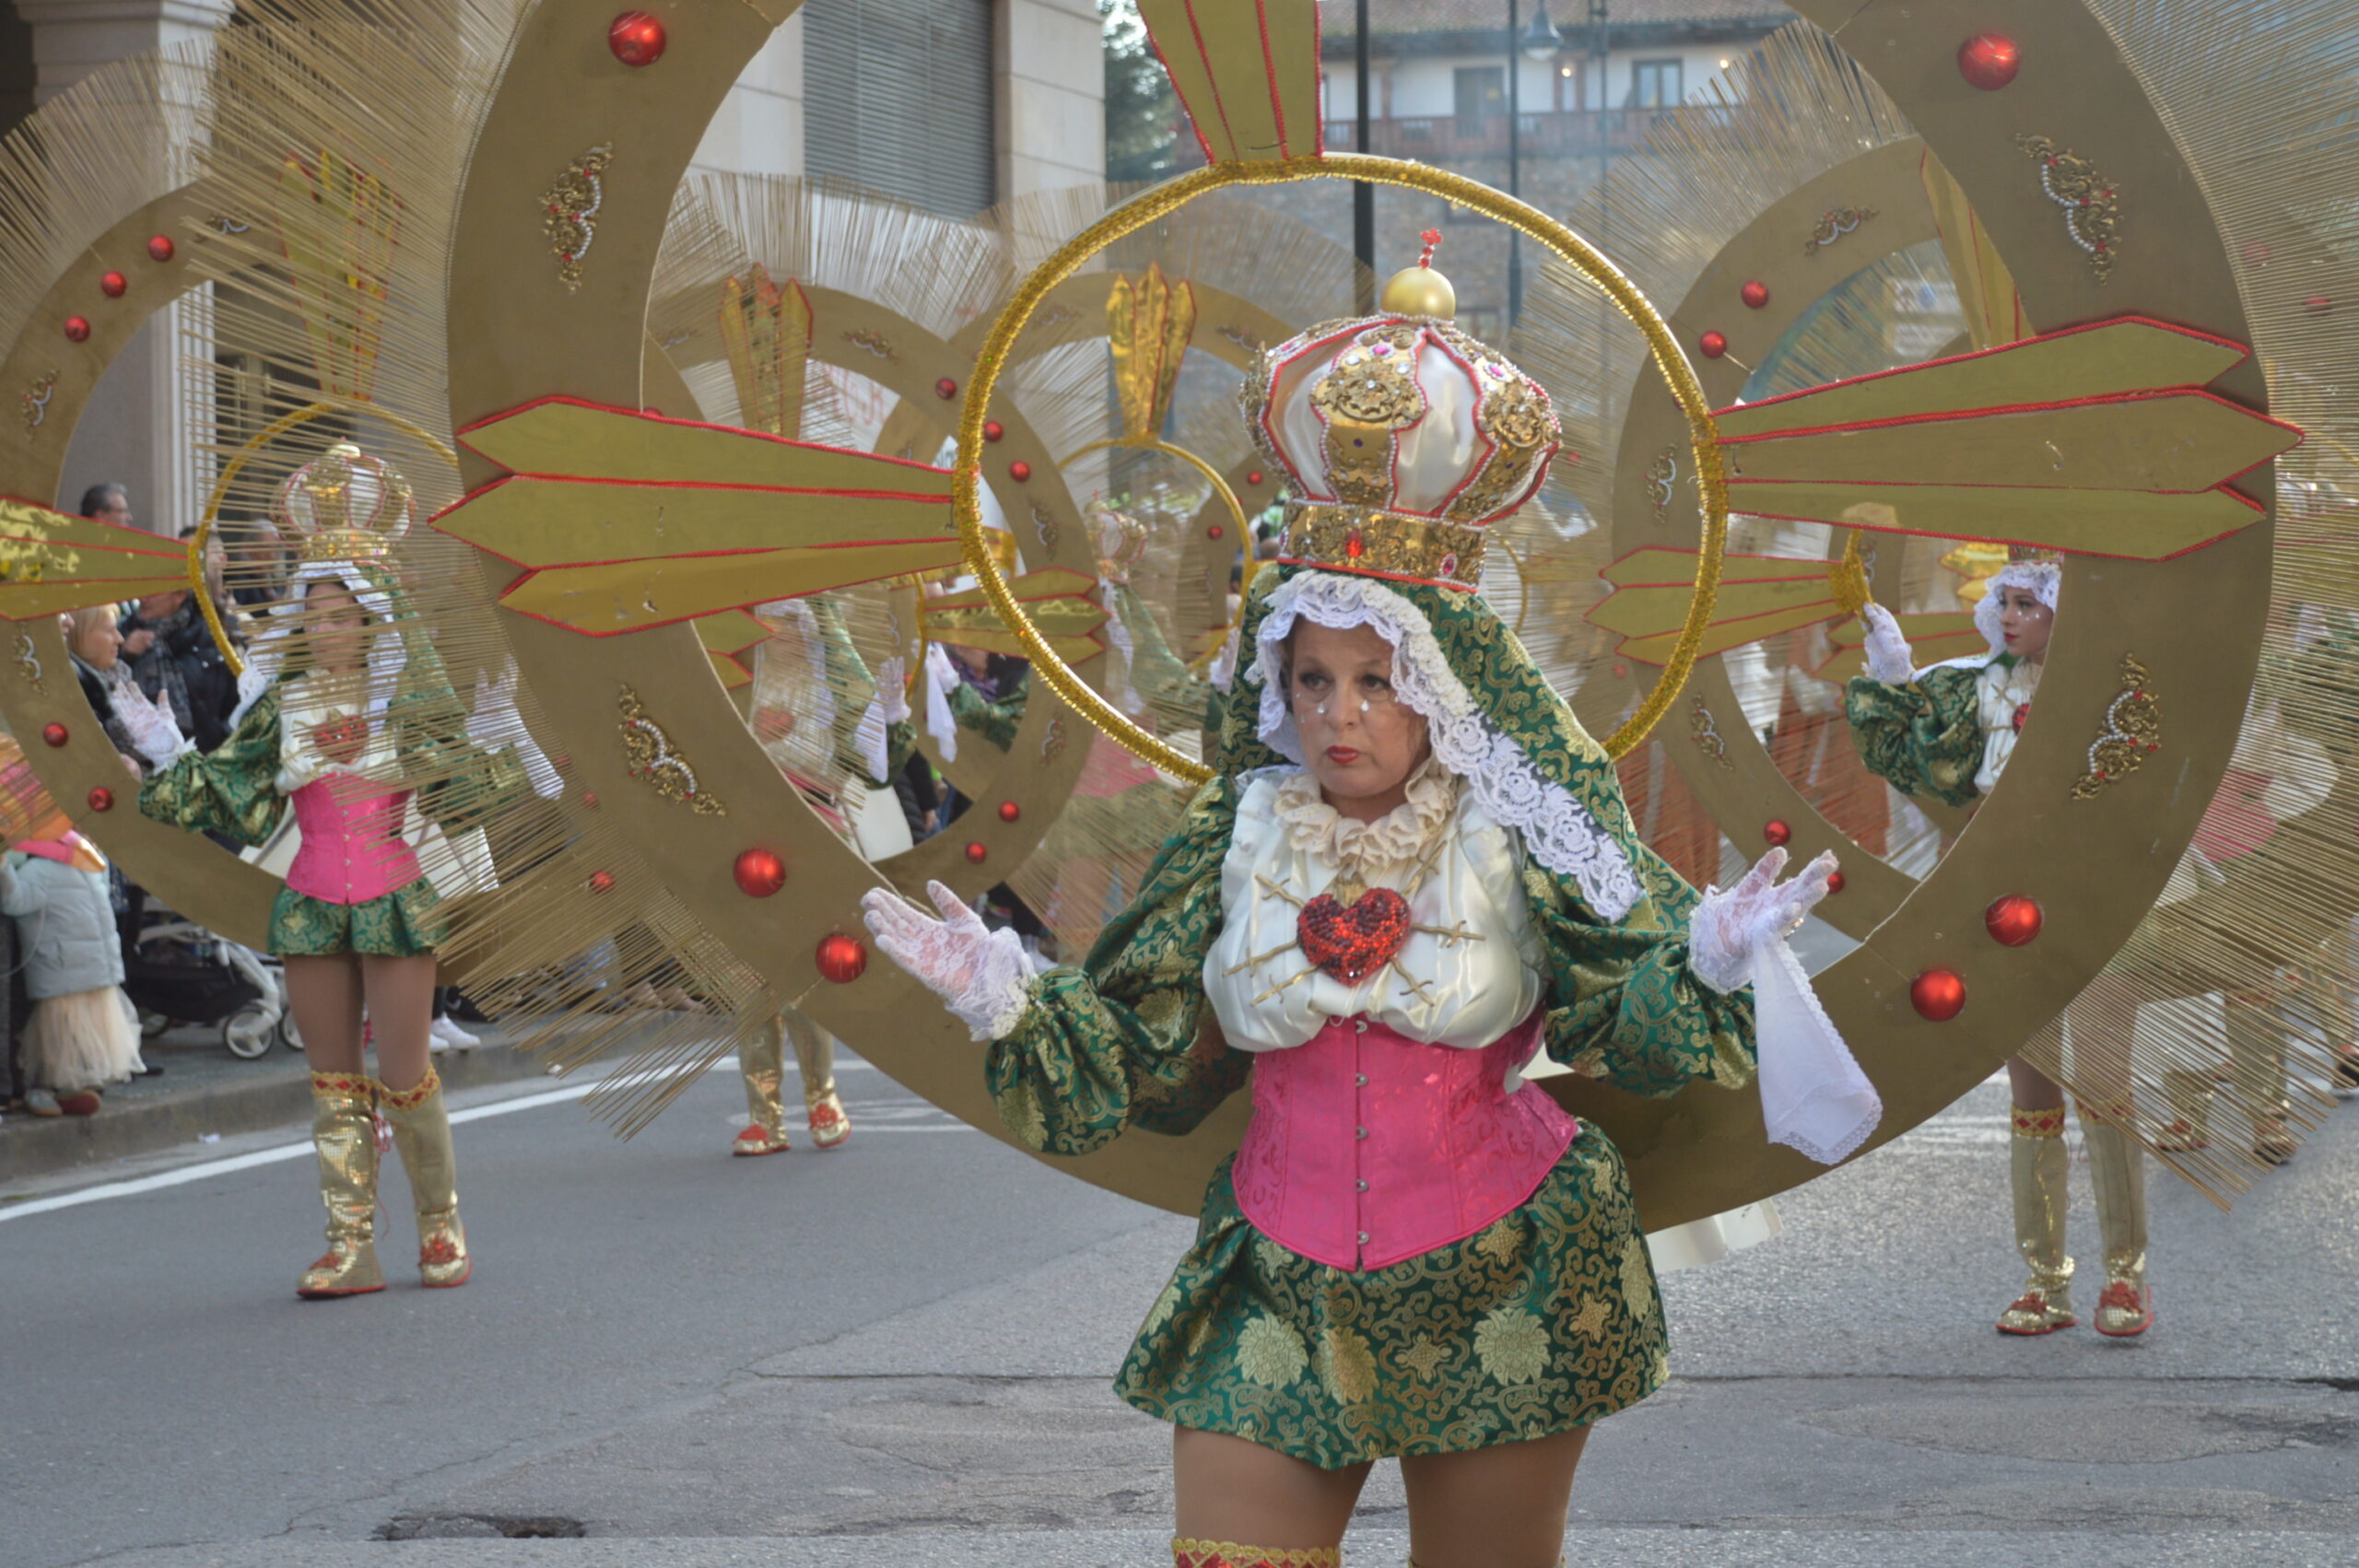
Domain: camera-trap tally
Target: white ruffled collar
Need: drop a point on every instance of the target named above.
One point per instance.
(1399, 837)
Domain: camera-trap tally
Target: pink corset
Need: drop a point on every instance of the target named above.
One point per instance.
(352, 850)
(1366, 1148)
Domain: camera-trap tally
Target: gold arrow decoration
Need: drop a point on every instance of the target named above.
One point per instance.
(51, 563)
(1149, 321)
(1061, 602)
(1251, 91)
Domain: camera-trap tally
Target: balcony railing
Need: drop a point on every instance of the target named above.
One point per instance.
(1444, 137)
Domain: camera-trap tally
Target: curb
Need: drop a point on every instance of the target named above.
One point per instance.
(43, 1146)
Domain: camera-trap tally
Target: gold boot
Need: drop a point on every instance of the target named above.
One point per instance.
(2040, 1163)
(344, 1132)
(1188, 1553)
(2117, 1176)
(2256, 1070)
(763, 1066)
(421, 1126)
(2189, 1128)
(814, 1057)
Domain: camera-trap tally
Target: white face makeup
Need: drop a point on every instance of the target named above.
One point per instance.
(1360, 742)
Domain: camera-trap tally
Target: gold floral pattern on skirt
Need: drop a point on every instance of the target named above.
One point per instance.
(1543, 1322)
(404, 923)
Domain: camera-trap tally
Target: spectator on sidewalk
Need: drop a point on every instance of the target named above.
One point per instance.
(177, 661)
(96, 646)
(108, 502)
(255, 570)
(83, 1034)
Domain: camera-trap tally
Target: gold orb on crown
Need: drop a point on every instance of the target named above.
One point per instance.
(1402, 438)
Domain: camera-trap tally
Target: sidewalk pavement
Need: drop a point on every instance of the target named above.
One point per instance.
(205, 1093)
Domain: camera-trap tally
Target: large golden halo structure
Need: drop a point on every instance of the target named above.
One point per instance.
(525, 323)
(1577, 254)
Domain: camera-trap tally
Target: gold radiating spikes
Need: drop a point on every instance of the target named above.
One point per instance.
(1148, 322)
(580, 440)
(1060, 603)
(766, 330)
(1251, 93)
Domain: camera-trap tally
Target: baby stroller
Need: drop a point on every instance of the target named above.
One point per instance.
(180, 973)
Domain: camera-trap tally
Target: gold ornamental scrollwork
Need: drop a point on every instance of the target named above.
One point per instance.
(2092, 204)
(569, 211)
(1704, 731)
(2133, 727)
(649, 751)
(1833, 224)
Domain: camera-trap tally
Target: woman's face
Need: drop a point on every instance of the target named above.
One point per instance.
(337, 626)
(1359, 740)
(97, 641)
(2025, 621)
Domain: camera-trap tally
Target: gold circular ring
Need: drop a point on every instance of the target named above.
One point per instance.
(1162, 201)
(237, 465)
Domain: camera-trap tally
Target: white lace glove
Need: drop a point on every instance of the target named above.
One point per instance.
(153, 729)
(1889, 656)
(893, 690)
(495, 725)
(941, 680)
(981, 975)
(1729, 929)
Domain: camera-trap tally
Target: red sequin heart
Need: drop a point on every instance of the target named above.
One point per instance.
(342, 740)
(1353, 943)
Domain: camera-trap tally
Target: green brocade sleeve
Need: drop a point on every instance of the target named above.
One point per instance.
(996, 723)
(1113, 1044)
(1156, 673)
(1924, 738)
(1623, 1004)
(231, 789)
(459, 784)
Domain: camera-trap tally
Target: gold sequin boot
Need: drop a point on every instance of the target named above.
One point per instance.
(2190, 1100)
(2039, 1164)
(1186, 1553)
(343, 1133)
(2257, 1072)
(2117, 1176)
(814, 1057)
(421, 1126)
(762, 1064)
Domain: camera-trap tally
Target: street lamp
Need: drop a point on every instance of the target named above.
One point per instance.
(1541, 42)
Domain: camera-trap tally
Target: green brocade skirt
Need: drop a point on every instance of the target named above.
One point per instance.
(1544, 1321)
(404, 923)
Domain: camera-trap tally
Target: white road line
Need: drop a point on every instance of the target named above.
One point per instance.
(236, 1162)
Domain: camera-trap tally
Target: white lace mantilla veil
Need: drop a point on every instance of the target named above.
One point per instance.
(1558, 830)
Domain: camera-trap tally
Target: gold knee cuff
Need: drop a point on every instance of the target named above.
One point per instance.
(1186, 1553)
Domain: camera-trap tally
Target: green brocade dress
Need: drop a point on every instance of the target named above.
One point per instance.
(1543, 1322)
(1924, 738)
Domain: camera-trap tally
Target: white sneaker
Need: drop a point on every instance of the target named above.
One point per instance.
(445, 1035)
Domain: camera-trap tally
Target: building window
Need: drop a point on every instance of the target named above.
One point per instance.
(1654, 84)
(898, 98)
(1482, 92)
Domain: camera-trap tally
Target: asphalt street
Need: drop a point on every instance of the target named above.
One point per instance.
(898, 1353)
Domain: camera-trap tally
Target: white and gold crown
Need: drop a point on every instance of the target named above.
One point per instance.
(1404, 437)
(344, 505)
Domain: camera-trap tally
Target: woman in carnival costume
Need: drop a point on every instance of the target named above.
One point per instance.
(1946, 734)
(1411, 874)
(343, 697)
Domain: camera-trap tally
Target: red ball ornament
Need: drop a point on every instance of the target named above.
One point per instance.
(636, 38)
(114, 284)
(2318, 304)
(102, 799)
(78, 329)
(1755, 294)
(1775, 833)
(2014, 921)
(977, 854)
(1621, 671)
(602, 881)
(993, 429)
(159, 247)
(1834, 882)
(1990, 60)
(759, 872)
(53, 734)
(1009, 811)
(1215, 531)
(1938, 995)
(590, 799)
(1713, 345)
(1254, 477)
(1020, 471)
(945, 389)
(842, 958)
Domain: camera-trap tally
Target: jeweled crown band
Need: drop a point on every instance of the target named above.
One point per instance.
(345, 545)
(1349, 538)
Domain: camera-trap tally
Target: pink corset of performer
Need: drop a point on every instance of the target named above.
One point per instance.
(352, 850)
(1366, 1148)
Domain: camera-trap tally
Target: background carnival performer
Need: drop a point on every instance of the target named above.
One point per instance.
(342, 698)
(1411, 874)
(1946, 734)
